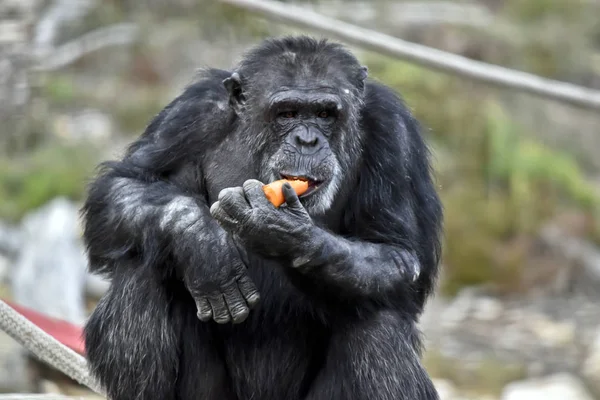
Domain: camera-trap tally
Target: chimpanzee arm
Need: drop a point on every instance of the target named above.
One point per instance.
(151, 206)
(395, 263)
(392, 243)
(351, 267)
(394, 218)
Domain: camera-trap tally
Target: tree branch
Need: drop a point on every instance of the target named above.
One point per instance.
(425, 56)
(120, 34)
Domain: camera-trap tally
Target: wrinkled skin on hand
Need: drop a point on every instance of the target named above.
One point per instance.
(260, 226)
(226, 293)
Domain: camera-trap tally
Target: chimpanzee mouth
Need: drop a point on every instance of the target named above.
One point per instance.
(313, 184)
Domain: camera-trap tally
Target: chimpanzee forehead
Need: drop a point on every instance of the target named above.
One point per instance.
(301, 63)
(304, 76)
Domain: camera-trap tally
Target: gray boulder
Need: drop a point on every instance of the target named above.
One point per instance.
(49, 274)
(554, 387)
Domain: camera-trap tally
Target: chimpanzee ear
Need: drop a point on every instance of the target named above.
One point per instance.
(362, 75)
(233, 84)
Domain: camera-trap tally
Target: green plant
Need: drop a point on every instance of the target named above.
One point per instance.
(498, 183)
(29, 181)
(486, 376)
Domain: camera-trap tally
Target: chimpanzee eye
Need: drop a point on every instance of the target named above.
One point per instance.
(288, 114)
(323, 114)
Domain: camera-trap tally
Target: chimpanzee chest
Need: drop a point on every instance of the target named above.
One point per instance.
(277, 352)
(228, 165)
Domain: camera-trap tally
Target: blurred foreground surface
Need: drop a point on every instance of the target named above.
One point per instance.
(517, 315)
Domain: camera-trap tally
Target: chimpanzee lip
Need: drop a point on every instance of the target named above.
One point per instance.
(313, 184)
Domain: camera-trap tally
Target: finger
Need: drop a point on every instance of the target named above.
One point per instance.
(290, 196)
(225, 220)
(233, 201)
(236, 304)
(248, 290)
(219, 308)
(204, 310)
(253, 190)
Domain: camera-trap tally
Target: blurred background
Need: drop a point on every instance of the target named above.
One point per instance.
(517, 313)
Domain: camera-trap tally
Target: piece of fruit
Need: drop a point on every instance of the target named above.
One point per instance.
(274, 191)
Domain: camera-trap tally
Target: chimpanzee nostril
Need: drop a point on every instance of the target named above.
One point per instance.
(306, 138)
(306, 142)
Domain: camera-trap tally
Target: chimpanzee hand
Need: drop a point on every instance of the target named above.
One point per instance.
(222, 289)
(260, 226)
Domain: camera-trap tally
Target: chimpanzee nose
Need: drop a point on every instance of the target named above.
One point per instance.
(306, 138)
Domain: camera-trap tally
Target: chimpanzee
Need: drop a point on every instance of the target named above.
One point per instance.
(216, 293)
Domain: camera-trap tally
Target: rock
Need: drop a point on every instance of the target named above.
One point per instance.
(96, 286)
(460, 308)
(4, 264)
(487, 309)
(49, 387)
(591, 365)
(583, 252)
(14, 373)
(89, 125)
(445, 389)
(555, 387)
(50, 271)
(10, 240)
(10, 243)
(552, 333)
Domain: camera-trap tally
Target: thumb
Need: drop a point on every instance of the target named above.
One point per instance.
(290, 196)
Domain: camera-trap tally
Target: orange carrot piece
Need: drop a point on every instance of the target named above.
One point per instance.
(274, 191)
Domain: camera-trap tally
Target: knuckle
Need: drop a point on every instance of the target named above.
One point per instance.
(243, 279)
(221, 315)
(246, 220)
(231, 200)
(239, 268)
(228, 285)
(251, 184)
(216, 208)
(215, 298)
(225, 194)
(248, 284)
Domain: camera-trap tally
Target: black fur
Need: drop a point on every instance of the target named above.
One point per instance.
(324, 293)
